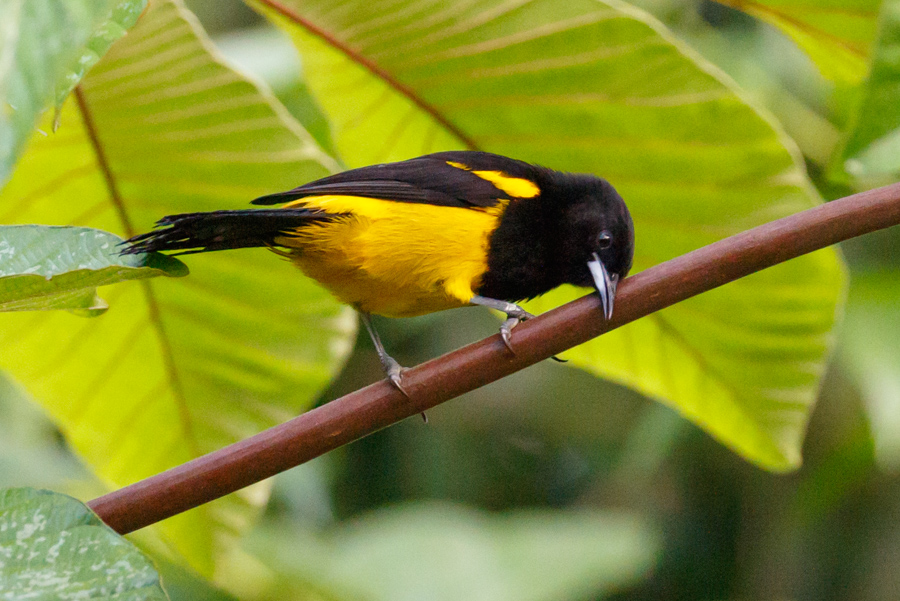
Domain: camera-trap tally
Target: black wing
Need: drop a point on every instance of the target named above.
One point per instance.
(429, 179)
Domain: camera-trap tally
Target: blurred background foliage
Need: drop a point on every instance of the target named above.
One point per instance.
(551, 484)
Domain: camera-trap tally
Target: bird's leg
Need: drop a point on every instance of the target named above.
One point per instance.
(392, 369)
(514, 314)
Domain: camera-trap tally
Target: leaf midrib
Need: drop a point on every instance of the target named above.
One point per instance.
(372, 67)
(749, 5)
(153, 311)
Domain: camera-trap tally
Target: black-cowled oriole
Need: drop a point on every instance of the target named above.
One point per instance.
(440, 231)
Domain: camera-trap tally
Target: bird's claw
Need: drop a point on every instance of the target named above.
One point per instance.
(513, 319)
(506, 332)
(395, 380)
(394, 373)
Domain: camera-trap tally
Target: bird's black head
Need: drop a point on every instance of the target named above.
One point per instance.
(577, 231)
(595, 234)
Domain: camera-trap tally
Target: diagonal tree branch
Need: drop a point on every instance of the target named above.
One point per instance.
(377, 406)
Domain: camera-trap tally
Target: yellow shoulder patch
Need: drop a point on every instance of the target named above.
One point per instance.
(514, 186)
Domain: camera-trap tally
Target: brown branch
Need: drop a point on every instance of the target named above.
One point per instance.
(380, 405)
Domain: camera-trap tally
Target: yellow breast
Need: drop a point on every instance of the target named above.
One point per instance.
(394, 258)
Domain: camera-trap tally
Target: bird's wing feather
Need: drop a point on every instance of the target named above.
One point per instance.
(453, 179)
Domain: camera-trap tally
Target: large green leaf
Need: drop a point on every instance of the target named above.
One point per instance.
(447, 552)
(601, 87)
(53, 547)
(873, 149)
(46, 47)
(52, 267)
(177, 367)
(838, 35)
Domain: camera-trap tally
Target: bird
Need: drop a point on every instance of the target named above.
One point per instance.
(440, 231)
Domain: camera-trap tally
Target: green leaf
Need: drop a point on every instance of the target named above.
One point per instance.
(53, 547)
(604, 88)
(46, 47)
(872, 153)
(47, 267)
(869, 348)
(177, 367)
(838, 35)
(30, 452)
(269, 54)
(448, 552)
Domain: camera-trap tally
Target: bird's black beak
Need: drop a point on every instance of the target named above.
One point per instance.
(606, 285)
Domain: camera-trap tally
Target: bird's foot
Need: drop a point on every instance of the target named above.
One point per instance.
(392, 369)
(394, 372)
(514, 315)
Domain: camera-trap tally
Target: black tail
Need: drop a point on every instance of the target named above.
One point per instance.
(221, 230)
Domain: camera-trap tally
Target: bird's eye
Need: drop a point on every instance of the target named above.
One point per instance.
(604, 240)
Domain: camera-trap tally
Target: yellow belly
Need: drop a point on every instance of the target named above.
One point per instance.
(394, 258)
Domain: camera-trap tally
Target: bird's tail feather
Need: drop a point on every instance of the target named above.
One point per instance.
(221, 230)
